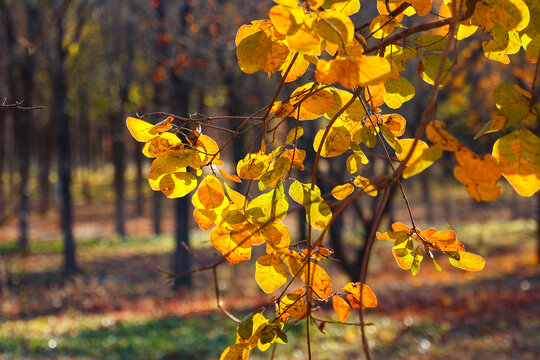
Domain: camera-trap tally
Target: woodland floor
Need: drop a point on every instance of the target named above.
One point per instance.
(121, 307)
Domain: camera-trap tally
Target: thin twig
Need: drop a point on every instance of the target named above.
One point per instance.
(18, 105)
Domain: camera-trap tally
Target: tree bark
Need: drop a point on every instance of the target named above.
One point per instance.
(64, 157)
(118, 159)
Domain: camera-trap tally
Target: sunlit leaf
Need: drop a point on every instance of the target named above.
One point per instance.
(234, 244)
(366, 185)
(318, 213)
(397, 91)
(268, 207)
(239, 351)
(436, 133)
(144, 131)
(415, 267)
(177, 184)
(422, 7)
(210, 192)
(346, 7)
(383, 25)
(162, 145)
(468, 261)
(270, 273)
(320, 282)
(478, 175)
(293, 305)
(313, 102)
(277, 236)
(430, 64)
(337, 141)
(335, 27)
(518, 156)
(422, 157)
(341, 307)
(340, 192)
(368, 299)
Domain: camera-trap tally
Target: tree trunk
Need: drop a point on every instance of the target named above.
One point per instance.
(181, 258)
(118, 159)
(64, 158)
(139, 180)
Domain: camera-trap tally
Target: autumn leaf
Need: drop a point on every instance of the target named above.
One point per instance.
(518, 156)
(340, 192)
(270, 273)
(268, 207)
(293, 305)
(210, 192)
(144, 131)
(234, 244)
(318, 213)
(320, 282)
(478, 175)
(368, 299)
(341, 307)
(422, 157)
(177, 184)
(467, 261)
(337, 141)
(236, 352)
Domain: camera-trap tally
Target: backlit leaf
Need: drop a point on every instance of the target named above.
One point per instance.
(318, 213)
(397, 91)
(518, 156)
(144, 131)
(320, 282)
(430, 64)
(336, 142)
(436, 133)
(468, 261)
(346, 7)
(335, 27)
(368, 300)
(478, 175)
(235, 244)
(313, 102)
(422, 157)
(239, 351)
(210, 192)
(382, 26)
(340, 192)
(162, 145)
(415, 268)
(268, 207)
(366, 185)
(293, 305)
(422, 7)
(177, 184)
(341, 307)
(270, 273)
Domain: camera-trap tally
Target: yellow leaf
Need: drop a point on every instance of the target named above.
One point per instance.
(335, 27)
(140, 129)
(293, 305)
(293, 260)
(277, 237)
(336, 142)
(268, 207)
(346, 7)
(230, 177)
(446, 241)
(518, 156)
(340, 192)
(298, 69)
(468, 261)
(234, 244)
(296, 156)
(162, 145)
(177, 184)
(341, 307)
(394, 122)
(239, 351)
(355, 71)
(402, 251)
(294, 134)
(422, 157)
(252, 166)
(320, 282)
(270, 273)
(430, 64)
(312, 101)
(318, 213)
(286, 20)
(436, 133)
(422, 7)
(210, 192)
(382, 26)
(510, 14)
(175, 162)
(478, 175)
(369, 300)
(366, 185)
(397, 91)
(354, 161)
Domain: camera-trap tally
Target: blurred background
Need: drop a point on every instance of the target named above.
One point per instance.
(82, 235)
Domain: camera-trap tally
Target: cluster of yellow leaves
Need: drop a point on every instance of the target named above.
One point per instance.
(169, 173)
(409, 258)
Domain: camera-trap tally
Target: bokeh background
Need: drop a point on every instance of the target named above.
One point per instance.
(83, 237)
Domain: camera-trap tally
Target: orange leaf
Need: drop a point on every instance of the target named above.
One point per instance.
(369, 299)
(341, 307)
(321, 284)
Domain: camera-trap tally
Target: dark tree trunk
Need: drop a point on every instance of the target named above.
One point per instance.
(156, 212)
(3, 134)
(64, 157)
(118, 159)
(45, 156)
(139, 180)
(181, 258)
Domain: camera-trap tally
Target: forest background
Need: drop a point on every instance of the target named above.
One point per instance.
(83, 237)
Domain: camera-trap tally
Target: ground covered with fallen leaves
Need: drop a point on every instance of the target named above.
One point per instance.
(122, 307)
